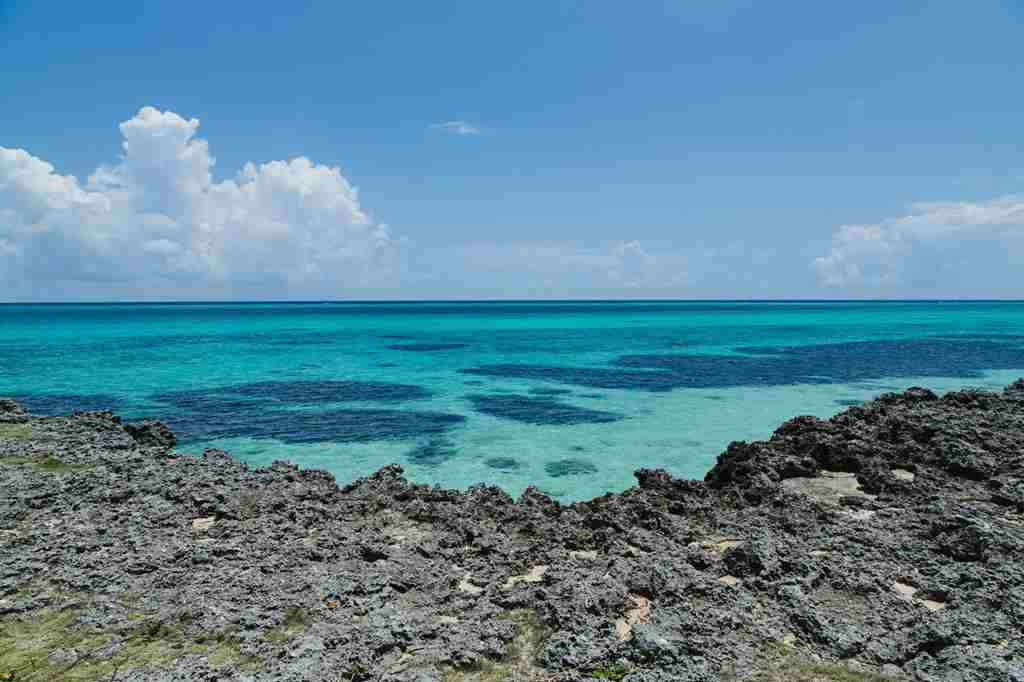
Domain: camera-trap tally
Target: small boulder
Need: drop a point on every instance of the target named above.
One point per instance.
(11, 411)
(657, 643)
(917, 394)
(757, 558)
(466, 585)
(972, 542)
(204, 524)
(904, 475)
(152, 433)
(638, 613)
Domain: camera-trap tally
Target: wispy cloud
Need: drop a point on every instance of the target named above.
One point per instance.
(456, 128)
(571, 266)
(886, 253)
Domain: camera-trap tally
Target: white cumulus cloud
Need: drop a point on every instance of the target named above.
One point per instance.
(933, 234)
(158, 214)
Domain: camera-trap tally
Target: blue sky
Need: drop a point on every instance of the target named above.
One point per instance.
(660, 148)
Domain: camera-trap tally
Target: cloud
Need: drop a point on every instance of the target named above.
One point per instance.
(933, 236)
(561, 269)
(633, 266)
(456, 128)
(158, 215)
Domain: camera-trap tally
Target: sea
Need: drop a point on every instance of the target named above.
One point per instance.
(568, 396)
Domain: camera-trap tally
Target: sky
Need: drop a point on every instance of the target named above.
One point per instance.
(538, 149)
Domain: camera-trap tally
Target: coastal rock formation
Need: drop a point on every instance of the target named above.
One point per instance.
(1016, 389)
(152, 433)
(884, 543)
(11, 412)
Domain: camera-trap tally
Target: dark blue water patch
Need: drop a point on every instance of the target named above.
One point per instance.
(544, 390)
(255, 410)
(349, 426)
(546, 411)
(569, 467)
(714, 397)
(593, 377)
(337, 426)
(190, 427)
(433, 453)
(203, 401)
(779, 366)
(502, 463)
(388, 364)
(200, 416)
(50, 404)
(427, 347)
(473, 382)
(835, 363)
(299, 392)
(848, 403)
(594, 396)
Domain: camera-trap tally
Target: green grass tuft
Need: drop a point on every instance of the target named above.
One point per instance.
(16, 432)
(49, 464)
(615, 673)
(52, 645)
(518, 662)
(295, 621)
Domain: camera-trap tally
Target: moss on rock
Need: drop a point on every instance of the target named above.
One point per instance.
(519, 661)
(16, 432)
(52, 644)
(49, 464)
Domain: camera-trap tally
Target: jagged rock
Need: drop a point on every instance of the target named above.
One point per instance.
(11, 412)
(888, 538)
(152, 433)
(750, 559)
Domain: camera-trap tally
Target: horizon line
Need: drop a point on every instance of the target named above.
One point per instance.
(510, 300)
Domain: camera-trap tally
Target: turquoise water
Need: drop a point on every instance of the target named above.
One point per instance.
(571, 397)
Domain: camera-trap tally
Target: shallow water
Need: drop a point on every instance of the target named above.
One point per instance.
(572, 397)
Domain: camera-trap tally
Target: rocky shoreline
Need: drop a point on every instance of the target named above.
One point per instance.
(884, 543)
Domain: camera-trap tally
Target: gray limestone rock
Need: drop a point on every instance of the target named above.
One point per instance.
(807, 547)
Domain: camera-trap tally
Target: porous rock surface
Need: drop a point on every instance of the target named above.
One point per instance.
(889, 538)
